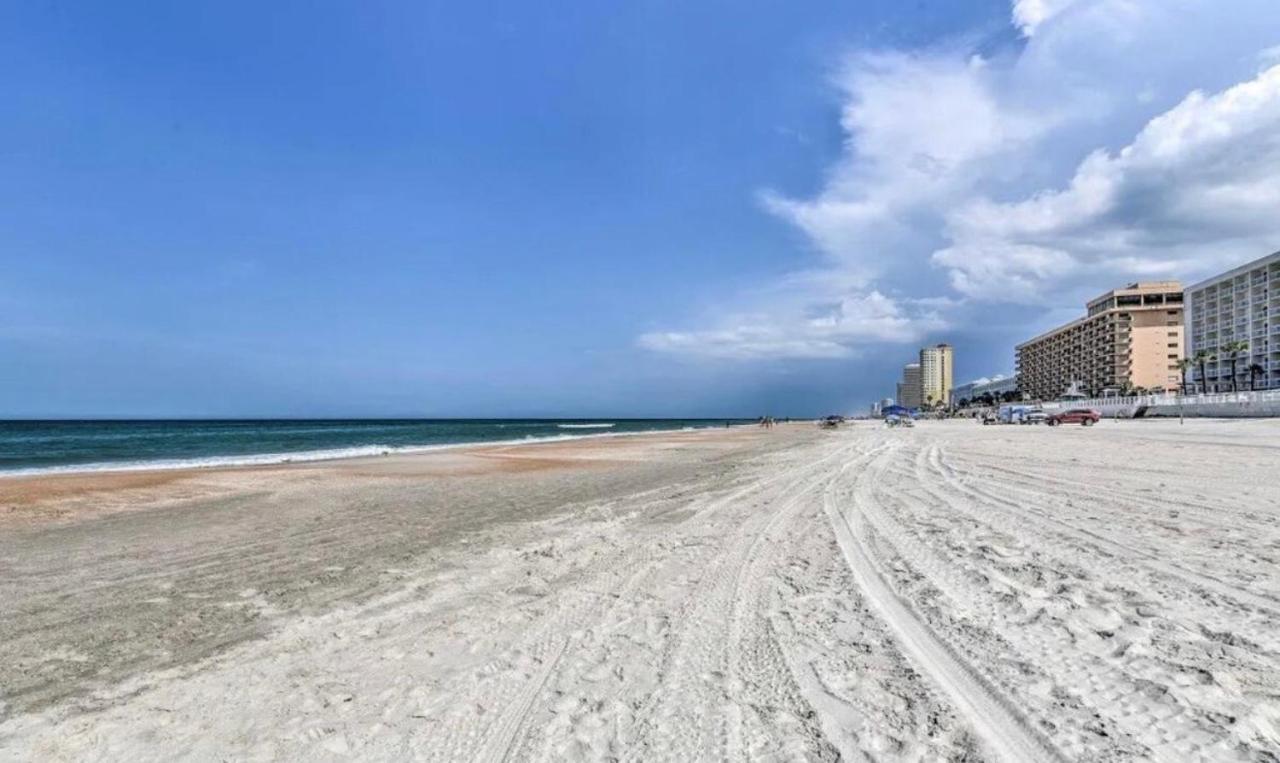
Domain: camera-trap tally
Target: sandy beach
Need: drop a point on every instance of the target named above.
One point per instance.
(949, 592)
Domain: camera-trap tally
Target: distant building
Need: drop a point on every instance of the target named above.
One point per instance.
(1131, 337)
(909, 388)
(996, 386)
(1243, 305)
(935, 374)
(877, 408)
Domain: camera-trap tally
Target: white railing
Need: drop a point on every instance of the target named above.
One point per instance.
(1257, 396)
(1172, 398)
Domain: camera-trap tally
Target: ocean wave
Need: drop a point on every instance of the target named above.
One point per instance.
(207, 462)
(600, 425)
(270, 459)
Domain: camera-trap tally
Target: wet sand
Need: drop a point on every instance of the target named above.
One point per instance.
(76, 496)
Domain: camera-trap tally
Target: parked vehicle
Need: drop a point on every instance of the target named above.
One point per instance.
(1083, 416)
(1020, 414)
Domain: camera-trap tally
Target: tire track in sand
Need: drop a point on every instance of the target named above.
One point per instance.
(758, 671)
(1110, 546)
(996, 723)
(696, 712)
(518, 702)
(1107, 688)
(506, 731)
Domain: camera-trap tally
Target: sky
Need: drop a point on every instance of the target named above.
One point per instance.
(600, 209)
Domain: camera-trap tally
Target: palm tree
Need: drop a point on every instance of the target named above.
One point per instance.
(1233, 350)
(1185, 365)
(1254, 370)
(1202, 357)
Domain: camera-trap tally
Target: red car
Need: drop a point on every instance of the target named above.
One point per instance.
(1082, 416)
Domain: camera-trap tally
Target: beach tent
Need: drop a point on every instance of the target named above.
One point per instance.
(897, 410)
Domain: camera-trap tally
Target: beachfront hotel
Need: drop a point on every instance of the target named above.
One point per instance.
(935, 374)
(1130, 338)
(1242, 305)
(909, 387)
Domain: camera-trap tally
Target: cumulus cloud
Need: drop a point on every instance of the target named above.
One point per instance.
(1199, 185)
(921, 128)
(1117, 139)
(1006, 273)
(1028, 15)
(813, 331)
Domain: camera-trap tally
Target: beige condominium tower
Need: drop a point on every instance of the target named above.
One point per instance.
(935, 374)
(1131, 338)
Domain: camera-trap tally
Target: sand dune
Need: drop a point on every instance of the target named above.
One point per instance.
(948, 592)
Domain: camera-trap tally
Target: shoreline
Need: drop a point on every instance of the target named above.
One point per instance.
(74, 495)
(321, 455)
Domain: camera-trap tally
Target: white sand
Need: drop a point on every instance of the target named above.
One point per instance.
(948, 592)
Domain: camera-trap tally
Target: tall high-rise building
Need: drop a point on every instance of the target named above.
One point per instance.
(1240, 305)
(1131, 337)
(935, 374)
(909, 387)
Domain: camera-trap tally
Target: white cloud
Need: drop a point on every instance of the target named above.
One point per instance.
(1004, 273)
(1028, 15)
(1119, 139)
(1199, 185)
(921, 128)
(827, 331)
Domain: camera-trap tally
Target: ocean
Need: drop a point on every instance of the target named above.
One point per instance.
(35, 447)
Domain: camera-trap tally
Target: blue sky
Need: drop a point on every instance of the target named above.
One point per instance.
(495, 209)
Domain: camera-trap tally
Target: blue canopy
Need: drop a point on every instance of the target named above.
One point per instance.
(897, 410)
